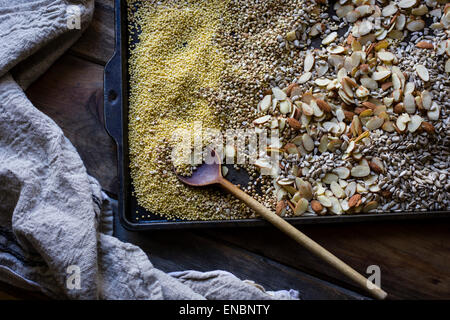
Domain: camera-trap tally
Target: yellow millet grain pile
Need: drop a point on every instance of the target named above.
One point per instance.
(174, 58)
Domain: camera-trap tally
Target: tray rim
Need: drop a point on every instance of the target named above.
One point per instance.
(115, 97)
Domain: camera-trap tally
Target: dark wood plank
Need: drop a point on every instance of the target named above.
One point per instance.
(189, 250)
(71, 93)
(97, 43)
(413, 256)
(8, 292)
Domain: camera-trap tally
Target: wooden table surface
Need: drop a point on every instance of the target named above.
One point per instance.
(414, 257)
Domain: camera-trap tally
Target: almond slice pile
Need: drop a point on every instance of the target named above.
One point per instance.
(346, 91)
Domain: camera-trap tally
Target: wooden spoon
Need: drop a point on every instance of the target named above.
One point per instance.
(210, 174)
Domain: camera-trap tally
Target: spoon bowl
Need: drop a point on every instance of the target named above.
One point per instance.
(205, 174)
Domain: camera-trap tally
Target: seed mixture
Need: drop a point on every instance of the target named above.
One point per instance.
(362, 117)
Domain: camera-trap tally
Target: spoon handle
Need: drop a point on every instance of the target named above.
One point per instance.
(303, 239)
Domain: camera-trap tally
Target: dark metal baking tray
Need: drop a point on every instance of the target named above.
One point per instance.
(116, 121)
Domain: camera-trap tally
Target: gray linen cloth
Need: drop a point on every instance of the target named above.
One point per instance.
(55, 222)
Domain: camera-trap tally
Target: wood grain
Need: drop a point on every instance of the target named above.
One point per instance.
(413, 256)
(71, 93)
(295, 234)
(97, 43)
(189, 250)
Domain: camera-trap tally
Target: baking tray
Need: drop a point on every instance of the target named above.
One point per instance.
(116, 121)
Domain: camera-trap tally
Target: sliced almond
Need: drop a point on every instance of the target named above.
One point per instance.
(265, 103)
(322, 82)
(316, 206)
(329, 178)
(308, 142)
(304, 187)
(372, 205)
(335, 206)
(415, 25)
(353, 201)
(428, 127)
(317, 111)
(333, 145)
(323, 143)
(290, 88)
(420, 11)
(362, 92)
(346, 86)
(385, 56)
(305, 77)
(360, 171)
(294, 123)
(309, 62)
(321, 68)
(324, 200)
(405, 4)
(350, 189)
(324, 106)
(352, 16)
(280, 208)
(279, 94)
(369, 83)
(402, 121)
(224, 171)
(342, 172)
(410, 87)
(337, 190)
(263, 163)
(290, 148)
(360, 188)
(379, 110)
(415, 123)
(335, 49)
(374, 123)
(381, 75)
(422, 72)
(301, 207)
(263, 119)
(307, 109)
(400, 22)
(335, 60)
(285, 107)
(356, 126)
(399, 108)
(329, 38)
(376, 165)
(365, 27)
(409, 103)
(285, 182)
(424, 45)
(433, 113)
(389, 10)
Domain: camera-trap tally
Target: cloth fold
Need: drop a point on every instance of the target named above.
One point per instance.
(55, 221)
